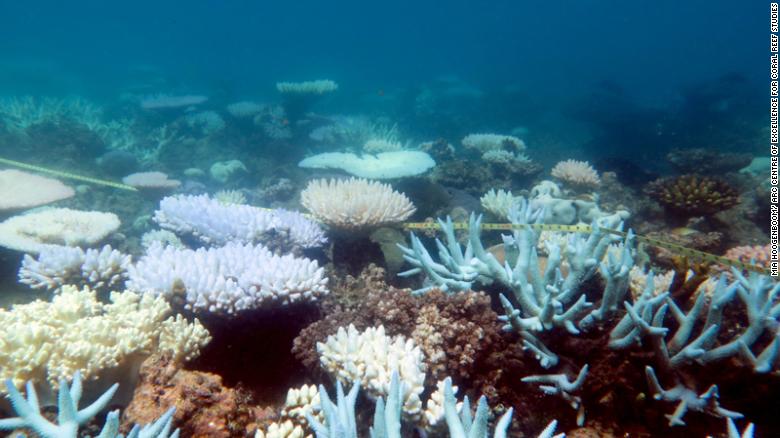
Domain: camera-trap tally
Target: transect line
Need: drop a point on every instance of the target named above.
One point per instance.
(68, 175)
(678, 249)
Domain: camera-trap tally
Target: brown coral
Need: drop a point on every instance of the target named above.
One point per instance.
(204, 407)
(693, 195)
(454, 331)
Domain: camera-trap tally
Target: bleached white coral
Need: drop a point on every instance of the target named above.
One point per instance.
(57, 265)
(208, 122)
(216, 223)
(384, 165)
(57, 226)
(300, 403)
(230, 197)
(321, 86)
(434, 407)
(45, 341)
(371, 357)
(498, 202)
(488, 142)
(227, 279)
(576, 173)
(377, 145)
(165, 237)
(284, 429)
(500, 156)
(151, 180)
(20, 190)
(355, 203)
(244, 109)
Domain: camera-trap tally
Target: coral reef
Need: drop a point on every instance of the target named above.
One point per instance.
(707, 161)
(70, 417)
(577, 174)
(47, 341)
(57, 266)
(21, 190)
(216, 223)
(204, 406)
(355, 204)
(383, 165)
(227, 279)
(31, 232)
(693, 195)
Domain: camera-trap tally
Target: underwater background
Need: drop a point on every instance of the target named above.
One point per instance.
(222, 205)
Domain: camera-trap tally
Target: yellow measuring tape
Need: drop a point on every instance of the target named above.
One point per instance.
(678, 249)
(61, 174)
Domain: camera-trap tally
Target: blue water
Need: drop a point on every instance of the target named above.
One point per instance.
(550, 49)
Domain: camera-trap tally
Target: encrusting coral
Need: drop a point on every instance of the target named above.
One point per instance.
(455, 332)
(46, 341)
(204, 406)
(693, 195)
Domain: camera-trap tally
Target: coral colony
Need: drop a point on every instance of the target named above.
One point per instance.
(349, 279)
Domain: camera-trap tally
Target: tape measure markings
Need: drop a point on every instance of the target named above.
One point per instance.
(675, 247)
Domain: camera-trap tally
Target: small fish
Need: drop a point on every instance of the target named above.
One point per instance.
(683, 231)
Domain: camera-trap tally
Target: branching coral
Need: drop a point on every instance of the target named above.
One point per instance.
(216, 223)
(227, 279)
(546, 297)
(645, 320)
(57, 265)
(44, 341)
(370, 358)
(70, 417)
(455, 332)
(693, 195)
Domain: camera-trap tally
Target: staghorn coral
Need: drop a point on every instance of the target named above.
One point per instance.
(70, 417)
(693, 195)
(230, 197)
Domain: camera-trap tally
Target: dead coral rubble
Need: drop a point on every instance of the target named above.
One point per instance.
(204, 407)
